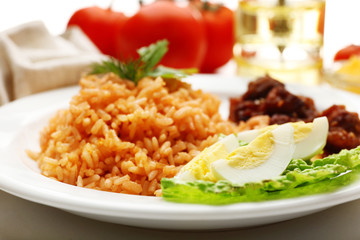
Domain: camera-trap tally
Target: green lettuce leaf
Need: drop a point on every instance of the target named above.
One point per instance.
(299, 179)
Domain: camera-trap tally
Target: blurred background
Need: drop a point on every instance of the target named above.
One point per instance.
(56, 13)
(340, 29)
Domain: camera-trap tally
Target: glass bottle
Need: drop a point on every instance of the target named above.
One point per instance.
(282, 38)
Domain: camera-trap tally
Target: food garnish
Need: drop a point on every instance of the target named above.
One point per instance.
(144, 66)
(300, 178)
(266, 154)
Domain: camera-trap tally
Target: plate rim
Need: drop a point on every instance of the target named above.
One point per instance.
(181, 211)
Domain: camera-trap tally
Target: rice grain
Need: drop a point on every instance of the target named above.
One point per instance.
(123, 138)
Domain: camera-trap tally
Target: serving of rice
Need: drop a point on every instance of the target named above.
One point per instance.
(123, 138)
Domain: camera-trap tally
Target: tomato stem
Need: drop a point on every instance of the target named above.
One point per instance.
(206, 5)
(111, 4)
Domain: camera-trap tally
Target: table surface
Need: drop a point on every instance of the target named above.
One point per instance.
(22, 219)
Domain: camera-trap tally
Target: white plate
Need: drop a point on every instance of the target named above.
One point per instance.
(21, 121)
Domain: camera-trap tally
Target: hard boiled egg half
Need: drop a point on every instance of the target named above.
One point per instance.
(267, 154)
(310, 138)
(199, 167)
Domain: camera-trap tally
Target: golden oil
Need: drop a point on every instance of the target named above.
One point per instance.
(282, 38)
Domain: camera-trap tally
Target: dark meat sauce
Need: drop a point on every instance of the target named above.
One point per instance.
(267, 96)
(344, 129)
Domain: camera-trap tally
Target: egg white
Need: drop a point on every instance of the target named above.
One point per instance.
(280, 157)
(307, 147)
(186, 173)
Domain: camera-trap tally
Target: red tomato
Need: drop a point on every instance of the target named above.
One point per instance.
(165, 20)
(219, 23)
(100, 25)
(347, 52)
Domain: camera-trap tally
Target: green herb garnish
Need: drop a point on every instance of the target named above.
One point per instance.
(144, 66)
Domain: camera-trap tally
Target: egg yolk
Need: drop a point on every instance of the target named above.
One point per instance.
(253, 154)
(199, 166)
(301, 130)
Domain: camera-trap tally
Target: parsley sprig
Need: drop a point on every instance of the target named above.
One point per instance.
(144, 66)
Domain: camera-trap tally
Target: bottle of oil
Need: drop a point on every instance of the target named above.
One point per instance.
(282, 38)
